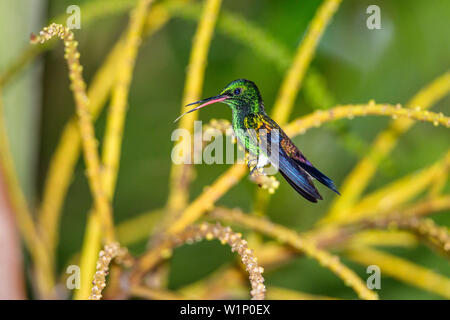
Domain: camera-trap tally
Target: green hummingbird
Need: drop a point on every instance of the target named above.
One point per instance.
(255, 130)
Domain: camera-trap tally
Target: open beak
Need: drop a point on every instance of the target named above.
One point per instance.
(204, 103)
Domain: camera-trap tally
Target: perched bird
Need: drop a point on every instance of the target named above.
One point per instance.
(247, 106)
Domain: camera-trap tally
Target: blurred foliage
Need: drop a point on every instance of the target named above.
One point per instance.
(352, 65)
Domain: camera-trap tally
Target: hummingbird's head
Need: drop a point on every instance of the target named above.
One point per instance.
(241, 95)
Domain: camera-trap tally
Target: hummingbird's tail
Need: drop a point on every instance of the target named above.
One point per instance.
(319, 176)
(297, 178)
(302, 192)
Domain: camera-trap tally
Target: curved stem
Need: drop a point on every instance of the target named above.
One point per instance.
(206, 231)
(358, 179)
(287, 236)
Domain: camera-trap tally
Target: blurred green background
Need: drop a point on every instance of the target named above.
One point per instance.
(356, 64)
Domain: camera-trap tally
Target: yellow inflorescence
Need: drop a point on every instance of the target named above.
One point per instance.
(110, 252)
(226, 236)
(66, 154)
(86, 127)
(194, 233)
(318, 118)
(287, 236)
(269, 183)
(428, 229)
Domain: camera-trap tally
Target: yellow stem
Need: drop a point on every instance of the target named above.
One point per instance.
(292, 238)
(278, 293)
(86, 127)
(305, 52)
(67, 152)
(436, 235)
(33, 241)
(358, 179)
(207, 199)
(154, 294)
(140, 227)
(318, 118)
(117, 109)
(89, 252)
(197, 233)
(337, 233)
(402, 269)
(396, 193)
(181, 174)
(218, 285)
(440, 180)
(114, 132)
(428, 206)
(426, 229)
(386, 238)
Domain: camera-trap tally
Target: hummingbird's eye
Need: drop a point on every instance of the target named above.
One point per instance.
(237, 91)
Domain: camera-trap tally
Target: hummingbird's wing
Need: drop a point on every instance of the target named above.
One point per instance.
(295, 154)
(297, 177)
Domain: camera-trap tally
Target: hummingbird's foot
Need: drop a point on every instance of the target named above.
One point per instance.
(259, 170)
(251, 162)
(269, 183)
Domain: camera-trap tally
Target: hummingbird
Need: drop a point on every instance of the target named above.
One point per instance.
(249, 115)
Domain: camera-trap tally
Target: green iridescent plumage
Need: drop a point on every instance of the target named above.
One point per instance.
(263, 138)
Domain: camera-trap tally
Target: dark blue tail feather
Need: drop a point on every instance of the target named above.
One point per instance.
(319, 176)
(302, 192)
(297, 178)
